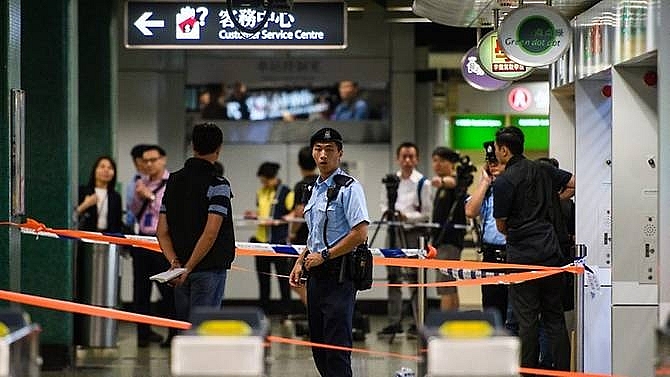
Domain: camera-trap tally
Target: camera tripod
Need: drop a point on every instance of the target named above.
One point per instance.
(397, 239)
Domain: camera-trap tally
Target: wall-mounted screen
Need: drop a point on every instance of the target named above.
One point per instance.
(237, 102)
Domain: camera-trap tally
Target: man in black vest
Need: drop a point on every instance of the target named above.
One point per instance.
(195, 227)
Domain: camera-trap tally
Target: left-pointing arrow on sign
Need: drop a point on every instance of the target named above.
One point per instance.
(144, 23)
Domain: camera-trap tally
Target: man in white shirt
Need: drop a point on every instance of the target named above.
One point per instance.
(414, 204)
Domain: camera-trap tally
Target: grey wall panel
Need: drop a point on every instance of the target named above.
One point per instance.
(634, 199)
(633, 340)
(597, 332)
(634, 214)
(593, 151)
(593, 117)
(664, 160)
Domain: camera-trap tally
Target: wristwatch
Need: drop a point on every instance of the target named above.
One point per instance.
(325, 254)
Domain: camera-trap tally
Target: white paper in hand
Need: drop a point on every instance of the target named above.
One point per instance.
(168, 275)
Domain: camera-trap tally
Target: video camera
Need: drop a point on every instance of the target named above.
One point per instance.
(464, 170)
(391, 182)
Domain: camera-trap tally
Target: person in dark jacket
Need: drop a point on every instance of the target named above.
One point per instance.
(99, 208)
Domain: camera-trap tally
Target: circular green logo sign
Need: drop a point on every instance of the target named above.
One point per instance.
(535, 35)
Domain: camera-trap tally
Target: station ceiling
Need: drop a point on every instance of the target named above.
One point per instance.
(451, 25)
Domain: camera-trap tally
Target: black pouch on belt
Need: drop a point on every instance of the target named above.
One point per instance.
(358, 264)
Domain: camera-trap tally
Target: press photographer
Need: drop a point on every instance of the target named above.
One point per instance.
(405, 203)
(453, 176)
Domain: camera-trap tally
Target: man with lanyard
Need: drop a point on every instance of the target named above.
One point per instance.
(146, 204)
(413, 205)
(522, 200)
(480, 203)
(337, 220)
(136, 153)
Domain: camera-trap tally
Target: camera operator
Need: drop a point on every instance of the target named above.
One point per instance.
(480, 203)
(449, 212)
(406, 198)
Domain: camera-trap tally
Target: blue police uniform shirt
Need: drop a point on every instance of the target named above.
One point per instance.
(346, 211)
(491, 234)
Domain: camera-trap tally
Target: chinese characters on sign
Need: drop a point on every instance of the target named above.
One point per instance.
(174, 25)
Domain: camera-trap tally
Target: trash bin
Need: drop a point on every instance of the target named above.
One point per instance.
(97, 282)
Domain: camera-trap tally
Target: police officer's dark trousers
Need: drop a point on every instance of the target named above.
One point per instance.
(330, 307)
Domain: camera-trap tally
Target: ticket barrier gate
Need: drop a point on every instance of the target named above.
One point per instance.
(470, 343)
(19, 345)
(222, 342)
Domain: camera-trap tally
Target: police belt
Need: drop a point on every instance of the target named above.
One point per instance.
(494, 252)
(331, 267)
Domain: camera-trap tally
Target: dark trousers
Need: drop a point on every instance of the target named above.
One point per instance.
(535, 299)
(330, 310)
(263, 269)
(145, 264)
(494, 297)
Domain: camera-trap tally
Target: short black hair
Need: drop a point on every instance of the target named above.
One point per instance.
(512, 138)
(305, 159)
(138, 150)
(155, 147)
(268, 170)
(206, 138)
(446, 154)
(406, 144)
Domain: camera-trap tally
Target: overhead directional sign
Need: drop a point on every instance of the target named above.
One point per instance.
(143, 24)
(208, 25)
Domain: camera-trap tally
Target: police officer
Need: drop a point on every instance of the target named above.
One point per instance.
(337, 219)
(480, 203)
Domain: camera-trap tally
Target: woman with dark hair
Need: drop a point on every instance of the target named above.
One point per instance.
(99, 206)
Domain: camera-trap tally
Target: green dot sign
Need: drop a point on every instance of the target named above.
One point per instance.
(535, 35)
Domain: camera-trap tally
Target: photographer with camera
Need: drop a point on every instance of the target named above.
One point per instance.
(449, 212)
(480, 203)
(407, 198)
